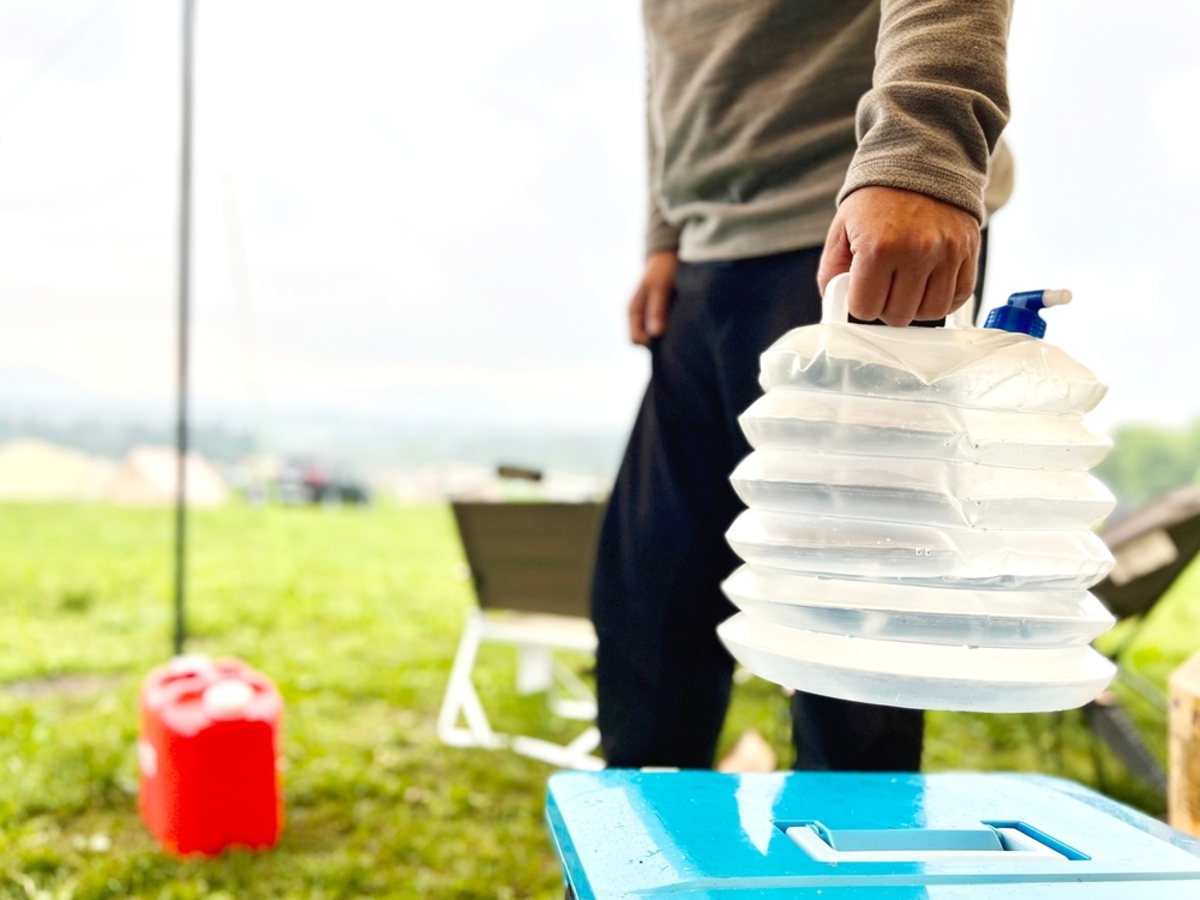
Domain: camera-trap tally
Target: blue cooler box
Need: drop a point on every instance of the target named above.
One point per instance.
(836, 836)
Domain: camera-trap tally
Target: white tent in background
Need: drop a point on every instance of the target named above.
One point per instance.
(147, 477)
(34, 470)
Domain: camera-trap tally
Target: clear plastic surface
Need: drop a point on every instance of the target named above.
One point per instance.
(975, 367)
(919, 523)
(920, 554)
(873, 426)
(918, 676)
(917, 613)
(923, 491)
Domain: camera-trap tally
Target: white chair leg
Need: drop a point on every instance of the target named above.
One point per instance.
(535, 669)
(538, 670)
(461, 696)
(566, 757)
(586, 742)
(577, 700)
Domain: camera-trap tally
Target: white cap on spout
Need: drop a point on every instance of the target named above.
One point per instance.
(227, 698)
(1056, 298)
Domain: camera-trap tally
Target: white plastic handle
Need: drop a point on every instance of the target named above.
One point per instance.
(835, 310)
(961, 317)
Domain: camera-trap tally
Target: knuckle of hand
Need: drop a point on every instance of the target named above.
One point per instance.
(878, 247)
(868, 251)
(924, 246)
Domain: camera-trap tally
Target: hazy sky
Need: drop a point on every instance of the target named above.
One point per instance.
(439, 206)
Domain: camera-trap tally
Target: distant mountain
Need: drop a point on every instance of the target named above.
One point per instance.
(37, 405)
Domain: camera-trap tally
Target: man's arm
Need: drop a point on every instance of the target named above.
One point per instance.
(907, 227)
(651, 301)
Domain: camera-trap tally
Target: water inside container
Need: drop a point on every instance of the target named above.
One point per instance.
(972, 367)
(919, 613)
(918, 676)
(920, 554)
(923, 491)
(872, 426)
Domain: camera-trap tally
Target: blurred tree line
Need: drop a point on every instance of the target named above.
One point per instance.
(114, 438)
(1147, 461)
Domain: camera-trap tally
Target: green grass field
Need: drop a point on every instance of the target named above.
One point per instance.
(355, 614)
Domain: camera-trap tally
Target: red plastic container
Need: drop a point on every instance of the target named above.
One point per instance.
(208, 751)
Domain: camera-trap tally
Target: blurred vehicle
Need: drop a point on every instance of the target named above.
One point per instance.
(302, 483)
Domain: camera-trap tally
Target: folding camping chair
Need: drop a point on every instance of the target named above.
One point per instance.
(1152, 547)
(531, 565)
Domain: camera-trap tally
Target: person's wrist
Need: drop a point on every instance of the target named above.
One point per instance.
(661, 264)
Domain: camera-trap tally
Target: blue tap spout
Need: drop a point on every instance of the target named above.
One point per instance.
(1020, 314)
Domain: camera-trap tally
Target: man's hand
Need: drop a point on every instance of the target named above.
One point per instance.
(652, 299)
(909, 256)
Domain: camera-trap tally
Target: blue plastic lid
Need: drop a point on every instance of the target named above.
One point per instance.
(1020, 314)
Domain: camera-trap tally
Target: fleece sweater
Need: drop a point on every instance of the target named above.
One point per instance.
(763, 114)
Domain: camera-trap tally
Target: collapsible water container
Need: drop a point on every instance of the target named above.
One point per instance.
(921, 514)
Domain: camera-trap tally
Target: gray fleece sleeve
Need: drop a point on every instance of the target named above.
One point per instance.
(939, 100)
(660, 234)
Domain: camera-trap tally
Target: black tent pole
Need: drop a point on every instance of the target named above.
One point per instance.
(181, 398)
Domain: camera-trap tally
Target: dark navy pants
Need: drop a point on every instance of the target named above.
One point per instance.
(663, 677)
